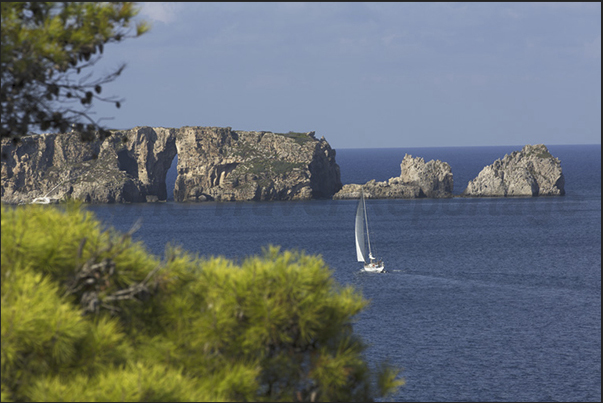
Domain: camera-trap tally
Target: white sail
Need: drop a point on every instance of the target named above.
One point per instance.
(362, 240)
(360, 243)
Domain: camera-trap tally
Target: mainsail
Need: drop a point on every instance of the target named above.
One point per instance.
(362, 240)
(360, 243)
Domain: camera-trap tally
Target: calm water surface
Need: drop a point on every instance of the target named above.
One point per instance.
(485, 299)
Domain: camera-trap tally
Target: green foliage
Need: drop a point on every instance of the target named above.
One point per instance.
(45, 335)
(135, 383)
(273, 327)
(544, 154)
(300, 138)
(44, 44)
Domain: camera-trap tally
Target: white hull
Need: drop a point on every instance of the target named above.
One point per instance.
(374, 268)
(44, 200)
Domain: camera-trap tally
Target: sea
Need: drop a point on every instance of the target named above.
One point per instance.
(485, 299)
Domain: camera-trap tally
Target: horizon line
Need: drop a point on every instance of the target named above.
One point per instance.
(498, 145)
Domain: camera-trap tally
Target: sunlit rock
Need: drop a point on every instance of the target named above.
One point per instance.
(533, 171)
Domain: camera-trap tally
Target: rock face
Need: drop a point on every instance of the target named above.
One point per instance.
(250, 165)
(417, 179)
(131, 166)
(60, 165)
(533, 171)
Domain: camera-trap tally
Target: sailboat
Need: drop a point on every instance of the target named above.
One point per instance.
(53, 200)
(363, 244)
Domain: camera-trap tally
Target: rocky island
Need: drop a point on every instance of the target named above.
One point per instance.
(533, 171)
(417, 179)
(131, 166)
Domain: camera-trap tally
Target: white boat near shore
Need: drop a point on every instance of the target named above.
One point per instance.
(44, 200)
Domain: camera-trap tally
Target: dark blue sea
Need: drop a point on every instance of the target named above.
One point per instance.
(486, 299)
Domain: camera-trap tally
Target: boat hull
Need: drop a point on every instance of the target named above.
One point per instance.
(374, 268)
(44, 200)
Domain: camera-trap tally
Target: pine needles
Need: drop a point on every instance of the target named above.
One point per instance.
(88, 314)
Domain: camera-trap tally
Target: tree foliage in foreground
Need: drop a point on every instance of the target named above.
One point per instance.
(46, 48)
(88, 314)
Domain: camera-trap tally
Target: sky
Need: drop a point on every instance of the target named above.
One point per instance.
(366, 75)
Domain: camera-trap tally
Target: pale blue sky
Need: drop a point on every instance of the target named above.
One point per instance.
(367, 74)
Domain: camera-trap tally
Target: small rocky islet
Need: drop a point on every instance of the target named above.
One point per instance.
(533, 171)
(221, 164)
(417, 179)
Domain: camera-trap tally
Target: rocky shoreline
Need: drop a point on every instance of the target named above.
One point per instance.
(221, 164)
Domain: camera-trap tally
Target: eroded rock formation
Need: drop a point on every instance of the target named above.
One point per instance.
(131, 166)
(417, 179)
(533, 171)
(251, 165)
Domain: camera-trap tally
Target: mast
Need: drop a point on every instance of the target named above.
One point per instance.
(368, 239)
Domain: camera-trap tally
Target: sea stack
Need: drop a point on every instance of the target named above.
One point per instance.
(533, 171)
(417, 179)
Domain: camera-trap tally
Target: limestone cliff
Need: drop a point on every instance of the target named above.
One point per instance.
(131, 166)
(417, 179)
(250, 165)
(60, 165)
(533, 171)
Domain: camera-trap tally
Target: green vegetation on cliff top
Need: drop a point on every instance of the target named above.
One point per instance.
(300, 138)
